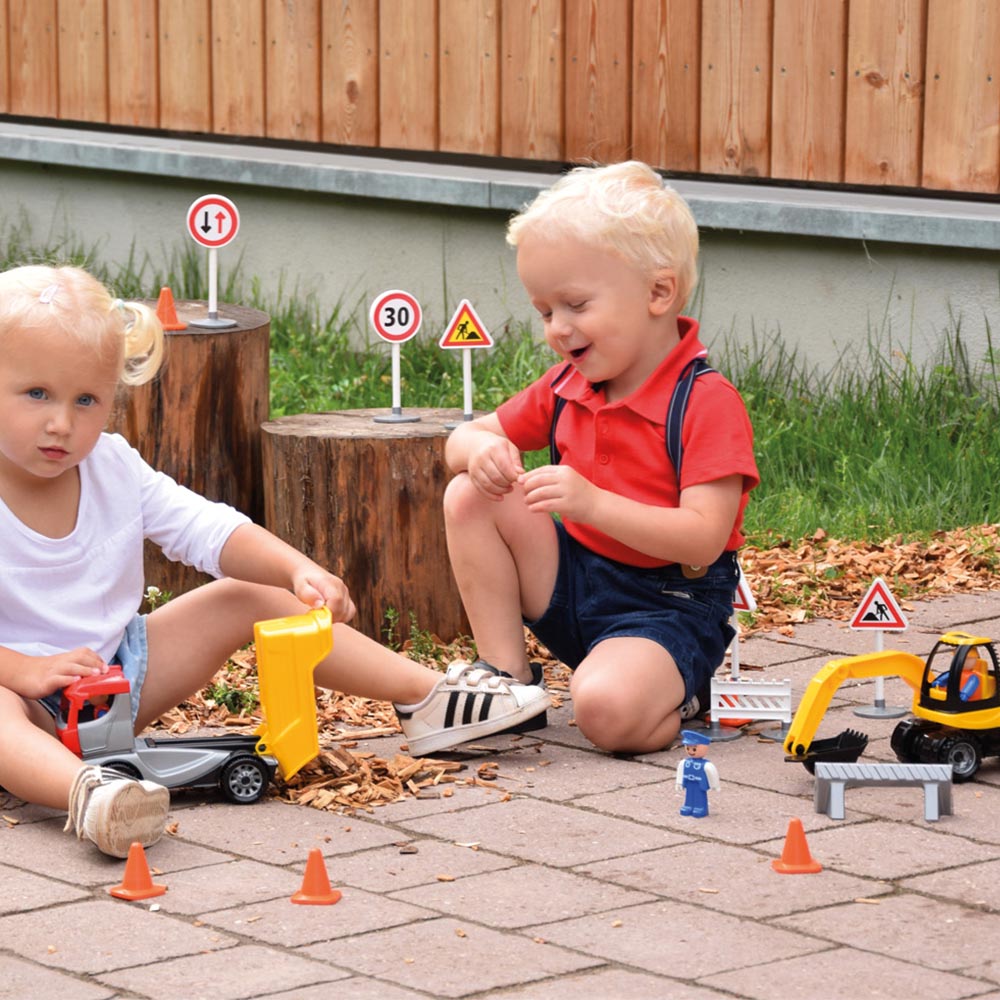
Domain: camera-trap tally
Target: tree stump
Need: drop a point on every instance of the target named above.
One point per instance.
(199, 420)
(364, 499)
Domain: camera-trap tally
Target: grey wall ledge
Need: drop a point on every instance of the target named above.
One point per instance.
(716, 204)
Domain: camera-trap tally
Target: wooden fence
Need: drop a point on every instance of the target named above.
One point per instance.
(881, 92)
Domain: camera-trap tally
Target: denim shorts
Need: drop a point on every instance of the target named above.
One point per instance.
(132, 656)
(596, 598)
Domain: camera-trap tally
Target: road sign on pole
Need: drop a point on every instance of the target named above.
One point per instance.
(213, 221)
(396, 317)
(466, 331)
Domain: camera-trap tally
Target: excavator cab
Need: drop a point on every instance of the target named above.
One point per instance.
(962, 675)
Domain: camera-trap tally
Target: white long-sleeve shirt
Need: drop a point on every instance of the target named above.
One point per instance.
(82, 590)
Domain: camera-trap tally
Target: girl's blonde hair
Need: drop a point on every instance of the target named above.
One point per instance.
(627, 208)
(71, 301)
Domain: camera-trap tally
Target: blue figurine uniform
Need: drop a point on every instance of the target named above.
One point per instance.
(696, 775)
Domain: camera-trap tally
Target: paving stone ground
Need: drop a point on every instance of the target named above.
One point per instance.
(576, 877)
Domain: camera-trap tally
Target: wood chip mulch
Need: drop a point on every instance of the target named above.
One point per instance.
(791, 582)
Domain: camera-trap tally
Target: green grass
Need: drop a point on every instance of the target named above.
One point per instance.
(876, 446)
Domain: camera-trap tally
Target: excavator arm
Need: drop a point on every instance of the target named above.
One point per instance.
(816, 700)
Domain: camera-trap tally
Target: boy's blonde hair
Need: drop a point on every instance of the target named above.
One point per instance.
(73, 302)
(625, 207)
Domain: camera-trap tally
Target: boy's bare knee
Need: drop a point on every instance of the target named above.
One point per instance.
(459, 497)
(607, 720)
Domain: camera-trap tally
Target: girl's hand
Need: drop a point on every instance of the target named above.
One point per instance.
(50, 673)
(317, 588)
(559, 489)
(494, 466)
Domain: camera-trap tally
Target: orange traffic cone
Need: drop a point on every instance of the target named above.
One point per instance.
(315, 884)
(165, 311)
(795, 858)
(138, 884)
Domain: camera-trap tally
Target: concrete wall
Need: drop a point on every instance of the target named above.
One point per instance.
(802, 268)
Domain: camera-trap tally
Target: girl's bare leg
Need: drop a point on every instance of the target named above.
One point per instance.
(191, 636)
(34, 765)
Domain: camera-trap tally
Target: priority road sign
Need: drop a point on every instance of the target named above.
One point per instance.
(213, 221)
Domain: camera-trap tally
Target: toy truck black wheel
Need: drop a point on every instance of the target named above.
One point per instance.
(906, 741)
(244, 779)
(964, 755)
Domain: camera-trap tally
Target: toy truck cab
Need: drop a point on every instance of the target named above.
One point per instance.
(969, 680)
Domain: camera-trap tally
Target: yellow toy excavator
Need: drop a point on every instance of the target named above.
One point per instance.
(956, 706)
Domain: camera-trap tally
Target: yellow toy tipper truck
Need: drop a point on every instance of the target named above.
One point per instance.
(95, 720)
(956, 706)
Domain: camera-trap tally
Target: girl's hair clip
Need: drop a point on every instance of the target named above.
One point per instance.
(48, 294)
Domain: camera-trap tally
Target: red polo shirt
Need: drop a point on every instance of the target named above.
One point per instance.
(621, 446)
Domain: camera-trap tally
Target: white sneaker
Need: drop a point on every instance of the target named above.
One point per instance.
(466, 704)
(113, 811)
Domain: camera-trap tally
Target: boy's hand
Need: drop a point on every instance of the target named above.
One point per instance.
(317, 588)
(495, 466)
(558, 489)
(50, 673)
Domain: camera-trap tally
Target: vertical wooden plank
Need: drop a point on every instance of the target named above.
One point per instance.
(808, 99)
(292, 69)
(349, 82)
(736, 87)
(962, 109)
(885, 90)
(532, 82)
(185, 65)
(408, 74)
(34, 72)
(238, 67)
(470, 76)
(4, 59)
(133, 63)
(83, 60)
(666, 46)
(598, 80)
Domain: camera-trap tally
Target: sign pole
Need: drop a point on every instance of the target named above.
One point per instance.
(467, 383)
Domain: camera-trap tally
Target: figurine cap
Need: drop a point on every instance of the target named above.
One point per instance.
(690, 738)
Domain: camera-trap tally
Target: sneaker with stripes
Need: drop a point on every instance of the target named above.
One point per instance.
(468, 703)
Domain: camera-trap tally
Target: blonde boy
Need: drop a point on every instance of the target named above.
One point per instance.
(632, 585)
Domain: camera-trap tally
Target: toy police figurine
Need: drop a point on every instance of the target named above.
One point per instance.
(696, 775)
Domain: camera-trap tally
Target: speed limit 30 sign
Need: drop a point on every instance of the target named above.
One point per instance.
(396, 316)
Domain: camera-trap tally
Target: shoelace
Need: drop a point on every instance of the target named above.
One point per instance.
(86, 780)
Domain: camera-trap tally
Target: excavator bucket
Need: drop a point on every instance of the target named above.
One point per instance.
(288, 650)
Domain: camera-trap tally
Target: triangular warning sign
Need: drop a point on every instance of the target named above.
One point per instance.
(466, 329)
(743, 600)
(878, 609)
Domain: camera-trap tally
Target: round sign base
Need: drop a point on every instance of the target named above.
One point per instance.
(213, 323)
(880, 711)
(396, 417)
